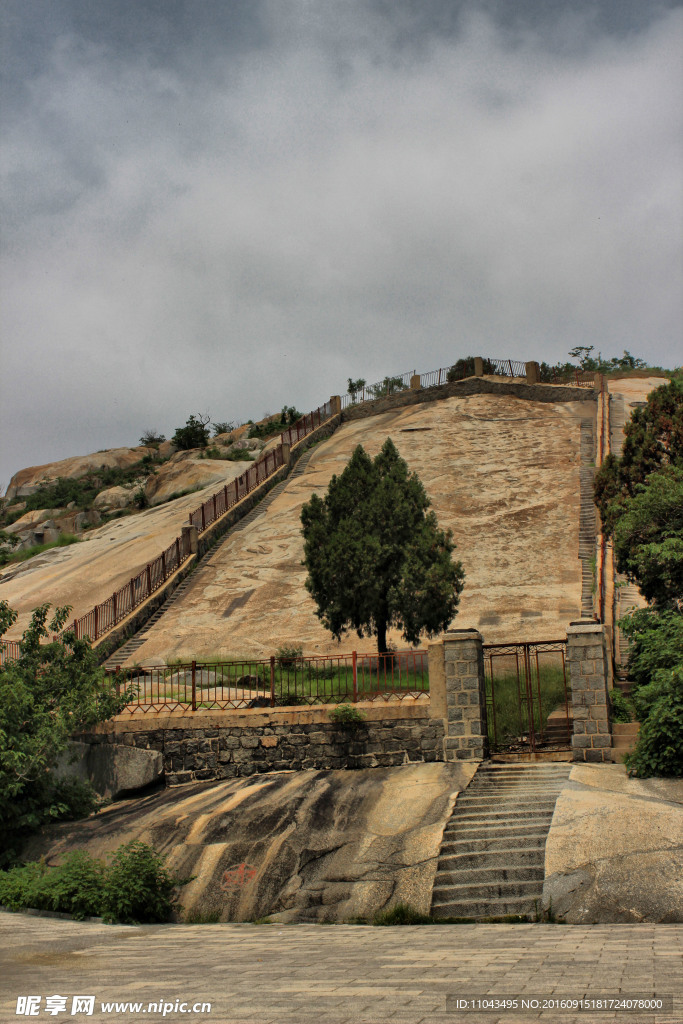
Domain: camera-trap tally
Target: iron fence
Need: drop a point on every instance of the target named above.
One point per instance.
(370, 392)
(527, 700)
(9, 650)
(284, 681)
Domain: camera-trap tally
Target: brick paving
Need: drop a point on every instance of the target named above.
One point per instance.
(344, 974)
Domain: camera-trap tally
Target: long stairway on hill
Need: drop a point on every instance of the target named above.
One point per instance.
(134, 642)
(491, 862)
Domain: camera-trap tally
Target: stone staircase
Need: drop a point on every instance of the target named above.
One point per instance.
(135, 642)
(624, 739)
(492, 857)
(587, 518)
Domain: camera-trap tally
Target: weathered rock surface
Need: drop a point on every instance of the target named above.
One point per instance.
(310, 845)
(615, 849)
(115, 497)
(502, 472)
(29, 520)
(27, 481)
(190, 473)
(112, 768)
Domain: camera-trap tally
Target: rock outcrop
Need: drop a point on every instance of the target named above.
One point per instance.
(309, 845)
(185, 471)
(28, 481)
(615, 849)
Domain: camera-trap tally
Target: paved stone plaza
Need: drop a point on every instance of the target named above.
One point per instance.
(340, 974)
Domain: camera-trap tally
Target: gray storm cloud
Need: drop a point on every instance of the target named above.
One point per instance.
(232, 236)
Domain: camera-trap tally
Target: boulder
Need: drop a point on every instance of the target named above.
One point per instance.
(185, 472)
(614, 852)
(84, 519)
(114, 497)
(29, 521)
(111, 768)
(28, 481)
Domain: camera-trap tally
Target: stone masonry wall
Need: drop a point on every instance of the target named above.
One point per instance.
(230, 744)
(464, 388)
(588, 675)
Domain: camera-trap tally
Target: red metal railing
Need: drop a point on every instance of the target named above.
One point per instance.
(276, 681)
(9, 651)
(370, 392)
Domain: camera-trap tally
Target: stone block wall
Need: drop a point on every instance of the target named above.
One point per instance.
(466, 734)
(231, 744)
(587, 661)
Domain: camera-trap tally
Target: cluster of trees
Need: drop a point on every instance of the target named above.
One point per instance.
(195, 433)
(375, 555)
(640, 499)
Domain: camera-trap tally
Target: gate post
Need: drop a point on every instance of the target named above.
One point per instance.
(587, 660)
(466, 736)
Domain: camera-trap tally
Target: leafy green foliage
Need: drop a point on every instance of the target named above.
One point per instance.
(655, 642)
(50, 692)
(347, 717)
(222, 427)
(135, 888)
(195, 434)
(375, 556)
(659, 750)
(289, 414)
(84, 490)
(653, 439)
(388, 386)
(621, 708)
(289, 655)
(354, 386)
(64, 540)
(152, 439)
(465, 368)
(648, 537)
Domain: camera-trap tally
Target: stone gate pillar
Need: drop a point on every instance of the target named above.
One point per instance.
(587, 661)
(466, 737)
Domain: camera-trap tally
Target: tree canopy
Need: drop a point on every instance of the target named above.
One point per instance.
(50, 692)
(375, 555)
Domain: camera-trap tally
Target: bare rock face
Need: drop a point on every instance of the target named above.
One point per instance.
(189, 473)
(29, 521)
(28, 481)
(114, 497)
(309, 845)
(615, 849)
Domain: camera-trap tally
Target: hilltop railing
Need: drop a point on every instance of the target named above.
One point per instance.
(370, 392)
(275, 681)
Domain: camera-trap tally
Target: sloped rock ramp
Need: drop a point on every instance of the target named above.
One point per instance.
(492, 857)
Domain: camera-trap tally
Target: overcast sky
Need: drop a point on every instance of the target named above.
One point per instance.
(224, 206)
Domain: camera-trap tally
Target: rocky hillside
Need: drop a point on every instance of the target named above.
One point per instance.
(59, 501)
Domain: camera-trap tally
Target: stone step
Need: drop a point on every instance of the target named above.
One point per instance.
(474, 910)
(494, 890)
(500, 861)
(454, 847)
(496, 830)
(511, 816)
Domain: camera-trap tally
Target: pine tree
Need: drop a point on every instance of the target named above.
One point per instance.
(376, 556)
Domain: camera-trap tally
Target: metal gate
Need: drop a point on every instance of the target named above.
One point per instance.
(527, 700)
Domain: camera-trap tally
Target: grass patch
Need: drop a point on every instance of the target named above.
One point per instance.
(65, 539)
(512, 716)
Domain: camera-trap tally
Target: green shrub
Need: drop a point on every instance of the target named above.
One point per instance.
(63, 541)
(137, 887)
(134, 888)
(348, 717)
(659, 750)
(621, 708)
(151, 439)
(195, 434)
(289, 655)
(465, 368)
(222, 427)
(401, 913)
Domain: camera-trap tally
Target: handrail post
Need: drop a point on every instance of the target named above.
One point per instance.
(116, 607)
(163, 564)
(97, 621)
(194, 685)
(272, 680)
(149, 579)
(177, 551)
(354, 662)
(118, 681)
